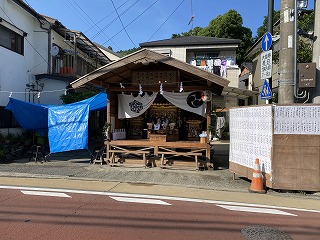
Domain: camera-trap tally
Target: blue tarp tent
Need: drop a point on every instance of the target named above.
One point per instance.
(66, 125)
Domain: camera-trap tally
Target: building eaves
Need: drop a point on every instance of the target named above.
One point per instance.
(28, 9)
(83, 43)
(108, 50)
(189, 41)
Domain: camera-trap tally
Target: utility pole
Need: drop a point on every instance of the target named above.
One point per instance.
(286, 54)
(316, 53)
(270, 30)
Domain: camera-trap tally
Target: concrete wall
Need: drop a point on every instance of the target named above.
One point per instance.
(17, 70)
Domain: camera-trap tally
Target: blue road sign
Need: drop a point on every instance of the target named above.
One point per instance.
(266, 41)
(266, 92)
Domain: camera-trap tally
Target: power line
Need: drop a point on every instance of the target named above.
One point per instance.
(113, 20)
(192, 16)
(122, 24)
(108, 14)
(76, 11)
(166, 19)
(95, 25)
(132, 21)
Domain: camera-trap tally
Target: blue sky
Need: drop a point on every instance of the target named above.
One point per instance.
(146, 20)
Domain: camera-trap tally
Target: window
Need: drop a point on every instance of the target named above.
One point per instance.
(11, 40)
(7, 120)
(207, 55)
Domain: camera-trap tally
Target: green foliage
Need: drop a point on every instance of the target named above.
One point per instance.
(228, 25)
(305, 45)
(3, 152)
(264, 28)
(304, 53)
(305, 23)
(76, 97)
(193, 32)
(127, 52)
(2, 137)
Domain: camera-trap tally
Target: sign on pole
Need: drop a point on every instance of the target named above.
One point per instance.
(266, 92)
(266, 64)
(266, 41)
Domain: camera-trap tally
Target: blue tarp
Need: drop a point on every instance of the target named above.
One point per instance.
(66, 125)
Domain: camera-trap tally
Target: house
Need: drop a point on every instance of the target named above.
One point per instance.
(215, 55)
(113, 56)
(39, 57)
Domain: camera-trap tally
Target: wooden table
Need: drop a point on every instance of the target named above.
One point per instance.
(194, 148)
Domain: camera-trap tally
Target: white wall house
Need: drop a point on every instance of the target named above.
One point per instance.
(39, 57)
(207, 53)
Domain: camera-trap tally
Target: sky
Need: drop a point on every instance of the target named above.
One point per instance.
(124, 24)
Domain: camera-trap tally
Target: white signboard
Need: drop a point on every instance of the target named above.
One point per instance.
(266, 64)
(297, 120)
(251, 136)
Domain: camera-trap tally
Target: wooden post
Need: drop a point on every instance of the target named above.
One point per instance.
(108, 111)
(208, 112)
(108, 107)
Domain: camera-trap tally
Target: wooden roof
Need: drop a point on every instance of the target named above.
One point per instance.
(119, 72)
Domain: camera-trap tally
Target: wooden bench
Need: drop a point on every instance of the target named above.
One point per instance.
(175, 153)
(98, 155)
(114, 159)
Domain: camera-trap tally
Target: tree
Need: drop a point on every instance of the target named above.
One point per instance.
(264, 28)
(305, 42)
(193, 32)
(305, 25)
(127, 52)
(229, 25)
(76, 97)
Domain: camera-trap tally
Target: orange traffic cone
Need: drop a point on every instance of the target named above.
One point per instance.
(257, 181)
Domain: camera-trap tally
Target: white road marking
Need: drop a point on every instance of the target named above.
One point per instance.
(195, 200)
(48, 194)
(256, 210)
(140, 200)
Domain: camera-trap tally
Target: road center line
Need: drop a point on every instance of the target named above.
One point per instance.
(255, 210)
(140, 200)
(48, 194)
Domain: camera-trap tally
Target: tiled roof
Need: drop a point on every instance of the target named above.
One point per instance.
(191, 40)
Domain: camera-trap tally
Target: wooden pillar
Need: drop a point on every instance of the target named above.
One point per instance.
(108, 111)
(108, 108)
(107, 143)
(208, 113)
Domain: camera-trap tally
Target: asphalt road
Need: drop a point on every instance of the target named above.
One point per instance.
(31, 213)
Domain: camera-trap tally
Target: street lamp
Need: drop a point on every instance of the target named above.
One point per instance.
(299, 4)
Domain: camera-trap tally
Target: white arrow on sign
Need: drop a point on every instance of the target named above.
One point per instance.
(266, 41)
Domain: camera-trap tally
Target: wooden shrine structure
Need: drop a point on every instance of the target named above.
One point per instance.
(148, 70)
